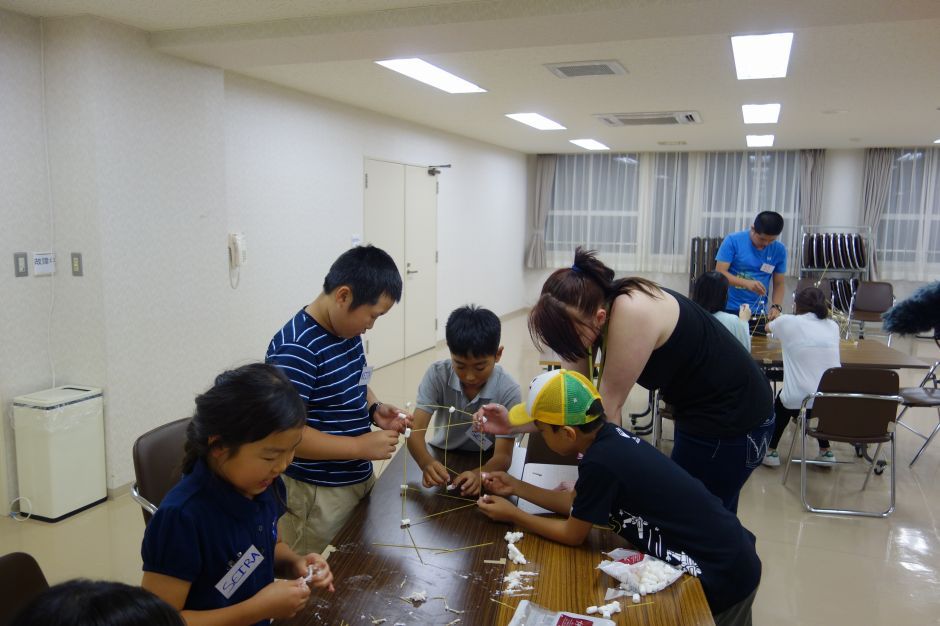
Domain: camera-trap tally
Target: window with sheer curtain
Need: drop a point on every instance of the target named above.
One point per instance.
(640, 210)
(908, 234)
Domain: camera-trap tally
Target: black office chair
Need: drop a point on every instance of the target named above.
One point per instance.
(158, 455)
(21, 580)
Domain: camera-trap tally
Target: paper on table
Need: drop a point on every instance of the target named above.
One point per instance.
(547, 477)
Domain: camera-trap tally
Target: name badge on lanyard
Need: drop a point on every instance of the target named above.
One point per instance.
(246, 565)
(366, 375)
(481, 439)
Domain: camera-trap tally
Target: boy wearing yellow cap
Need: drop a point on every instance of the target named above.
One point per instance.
(628, 485)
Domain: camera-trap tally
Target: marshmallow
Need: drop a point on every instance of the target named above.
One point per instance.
(452, 410)
(636, 598)
(402, 416)
(513, 537)
(591, 610)
(515, 556)
(406, 522)
(451, 487)
(404, 487)
(483, 418)
(407, 432)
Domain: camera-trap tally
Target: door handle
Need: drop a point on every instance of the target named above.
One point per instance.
(408, 269)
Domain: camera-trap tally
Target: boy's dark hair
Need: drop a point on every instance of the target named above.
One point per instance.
(811, 300)
(710, 291)
(597, 408)
(244, 405)
(473, 331)
(369, 272)
(83, 602)
(768, 223)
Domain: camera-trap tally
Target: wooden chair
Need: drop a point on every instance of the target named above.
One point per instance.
(852, 405)
(21, 580)
(158, 455)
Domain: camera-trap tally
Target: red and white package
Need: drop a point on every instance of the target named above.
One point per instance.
(529, 614)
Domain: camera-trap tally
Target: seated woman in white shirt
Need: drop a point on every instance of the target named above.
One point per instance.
(710, 292)
(810, 342)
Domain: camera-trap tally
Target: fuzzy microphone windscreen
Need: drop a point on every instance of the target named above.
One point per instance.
(918, 313)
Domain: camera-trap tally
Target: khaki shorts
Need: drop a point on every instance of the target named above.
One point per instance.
(318, 513)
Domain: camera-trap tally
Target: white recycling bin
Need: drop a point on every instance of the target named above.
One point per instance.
(60, 459)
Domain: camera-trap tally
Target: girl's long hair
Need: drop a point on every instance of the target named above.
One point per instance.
(244, 405)
(581, 289)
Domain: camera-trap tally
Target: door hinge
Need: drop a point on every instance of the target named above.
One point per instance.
(437, 187)
(367, 346)
(435, 323)
(435, 256)
(367, 180)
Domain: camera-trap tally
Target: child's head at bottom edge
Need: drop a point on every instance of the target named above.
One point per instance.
(246, 427)
(83, 602)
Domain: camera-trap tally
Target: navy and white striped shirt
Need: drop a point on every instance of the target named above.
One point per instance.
(326, 370)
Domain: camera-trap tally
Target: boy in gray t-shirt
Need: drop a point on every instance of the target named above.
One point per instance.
(466, 381)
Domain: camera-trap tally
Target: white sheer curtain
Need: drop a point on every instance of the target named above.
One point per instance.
(641, 210)
(544, 184)
(907, 236)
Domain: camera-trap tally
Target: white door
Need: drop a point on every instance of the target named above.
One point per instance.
(420, 271)
(383, 217)
(400, 216)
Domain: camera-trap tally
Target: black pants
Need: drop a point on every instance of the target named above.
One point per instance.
(782, 417)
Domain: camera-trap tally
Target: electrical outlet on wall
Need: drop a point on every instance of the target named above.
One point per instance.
(77, 269)
(20, 264)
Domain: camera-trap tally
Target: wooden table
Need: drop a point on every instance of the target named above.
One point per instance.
(862, 353)
(370, 580)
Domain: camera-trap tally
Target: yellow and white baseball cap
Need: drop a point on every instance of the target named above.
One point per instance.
(560, 397)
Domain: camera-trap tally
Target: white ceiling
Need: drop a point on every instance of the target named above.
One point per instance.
(862, 72)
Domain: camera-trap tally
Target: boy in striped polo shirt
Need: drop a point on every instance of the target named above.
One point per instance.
(320, 350)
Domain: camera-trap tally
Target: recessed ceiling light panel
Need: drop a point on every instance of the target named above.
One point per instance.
(761, 56)
(760, 113)
(536, 121)
(428, 74)
(760, 141)
(589, 144)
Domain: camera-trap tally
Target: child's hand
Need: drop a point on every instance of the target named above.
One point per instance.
(435, 475)
(496, 419)
(500, 483)
(378, 445)
(469, 483)
(283, 598)
(322, 576)
(386, 417)
(496, 508)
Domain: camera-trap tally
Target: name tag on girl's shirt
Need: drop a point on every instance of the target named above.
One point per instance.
(244, 567)
(366, 375)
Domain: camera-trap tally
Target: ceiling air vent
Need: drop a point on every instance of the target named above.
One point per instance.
(576, 69)
(660, 118)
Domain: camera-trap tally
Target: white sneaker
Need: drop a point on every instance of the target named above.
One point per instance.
(771, 459)
(826, 457)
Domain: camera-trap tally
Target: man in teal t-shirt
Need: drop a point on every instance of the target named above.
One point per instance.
(749, 259)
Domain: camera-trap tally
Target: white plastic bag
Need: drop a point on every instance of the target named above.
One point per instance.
(528, 614)
(638, 572)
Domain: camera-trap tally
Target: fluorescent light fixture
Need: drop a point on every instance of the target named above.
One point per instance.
(760, 141)
(536, 121)
(936, 140)
(761, 56)
(589, 144)
(760, 113)
(431, 75)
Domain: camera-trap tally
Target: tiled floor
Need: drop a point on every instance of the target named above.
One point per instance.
(817, 569)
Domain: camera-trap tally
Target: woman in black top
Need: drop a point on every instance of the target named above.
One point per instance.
(635, 331)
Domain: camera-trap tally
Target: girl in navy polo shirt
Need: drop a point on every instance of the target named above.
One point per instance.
(212, 547)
